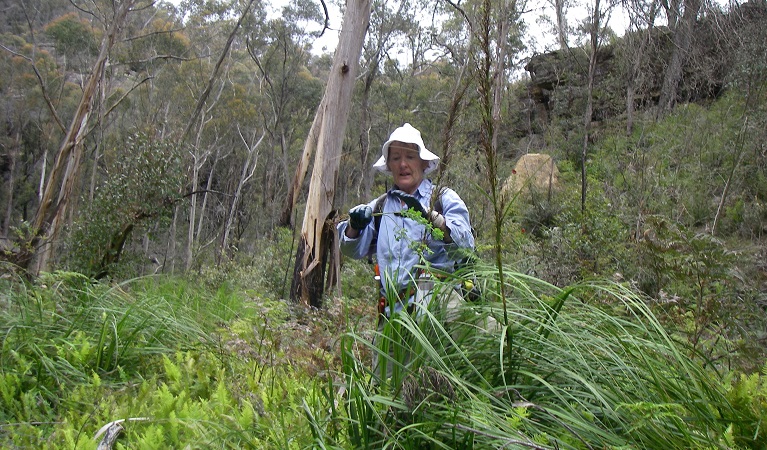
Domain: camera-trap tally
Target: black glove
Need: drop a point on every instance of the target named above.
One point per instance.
(360, 216)
(411, 202)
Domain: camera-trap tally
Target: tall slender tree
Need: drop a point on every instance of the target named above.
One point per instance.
(596, 25)
(388, 20)
(638, 41)
(317, 232)
(59, 187)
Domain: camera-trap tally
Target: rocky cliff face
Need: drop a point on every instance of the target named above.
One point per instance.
(722, 44)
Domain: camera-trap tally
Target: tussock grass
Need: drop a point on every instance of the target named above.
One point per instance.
(77, 354)
(588, 366)
(180, 363)
(65, 330)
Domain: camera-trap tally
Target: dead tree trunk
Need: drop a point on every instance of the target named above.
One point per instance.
(248, 169)
(50, 215)
(636, 76)
(559, 8)
(13, 154)
(286, 219)
(314, 246)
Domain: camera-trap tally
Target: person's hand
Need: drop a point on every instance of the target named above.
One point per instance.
(360, 216)
(411, 202)
(437, 220)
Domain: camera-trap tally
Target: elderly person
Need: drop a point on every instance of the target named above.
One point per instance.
(391, 235)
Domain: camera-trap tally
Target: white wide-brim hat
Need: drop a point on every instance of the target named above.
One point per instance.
(409, 135)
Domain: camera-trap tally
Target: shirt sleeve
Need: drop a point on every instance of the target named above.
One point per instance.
(457, 219)
(359, 247)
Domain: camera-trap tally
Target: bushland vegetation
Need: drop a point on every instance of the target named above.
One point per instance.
(630, 295)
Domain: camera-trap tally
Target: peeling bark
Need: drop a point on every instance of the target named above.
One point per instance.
(311, 254)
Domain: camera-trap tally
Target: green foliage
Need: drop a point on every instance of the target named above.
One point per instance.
(670, 168)
(66, 333)
(230, 365)
(561, 244)
(748, 394)
(589, 366)
(142, 182)
(187, 365)
(691, 274)
(73, 35)
(266, 272)
(435, 233)
(160, 38)
(357, 280)
(680, 201)
(179, 363)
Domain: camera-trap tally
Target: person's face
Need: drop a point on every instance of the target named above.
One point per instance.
(406, 166)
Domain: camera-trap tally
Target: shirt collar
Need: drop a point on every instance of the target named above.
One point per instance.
(424, 189)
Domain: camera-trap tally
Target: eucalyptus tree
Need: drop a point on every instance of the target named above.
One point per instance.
(638, 41)
(453, 44)
(251, 147)
(28, 125)
(560, 12)
(595, 25)
(38, 96)
(559, 25)
(60, 185)
(317, 241)
(281, 52)
(187, 97)
(136, 39)
(638, 45)
(215, 99)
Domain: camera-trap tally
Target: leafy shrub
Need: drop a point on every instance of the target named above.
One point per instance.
(72, 35)
(138, 189)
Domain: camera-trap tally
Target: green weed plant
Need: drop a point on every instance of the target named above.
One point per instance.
(155, 354)
(590, 367)
(185, 365)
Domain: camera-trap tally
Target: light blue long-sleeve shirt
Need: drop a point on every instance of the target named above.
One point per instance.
(395, 247)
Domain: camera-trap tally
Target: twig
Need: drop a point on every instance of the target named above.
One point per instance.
(112, 430)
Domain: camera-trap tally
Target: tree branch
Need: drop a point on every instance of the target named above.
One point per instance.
(326, 26)
(154, 33)
(463, 13)
(214, 75)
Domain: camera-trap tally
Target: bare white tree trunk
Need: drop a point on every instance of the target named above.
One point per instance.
(199, 157)
(682, 39)
(559, 7)
(192, 214)
(170, 256)
(66, 168)
(303, 166)
(595, 31)
(245, 175)
(12, 156)
(203, 207)
(198, 160)
(314, 247)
